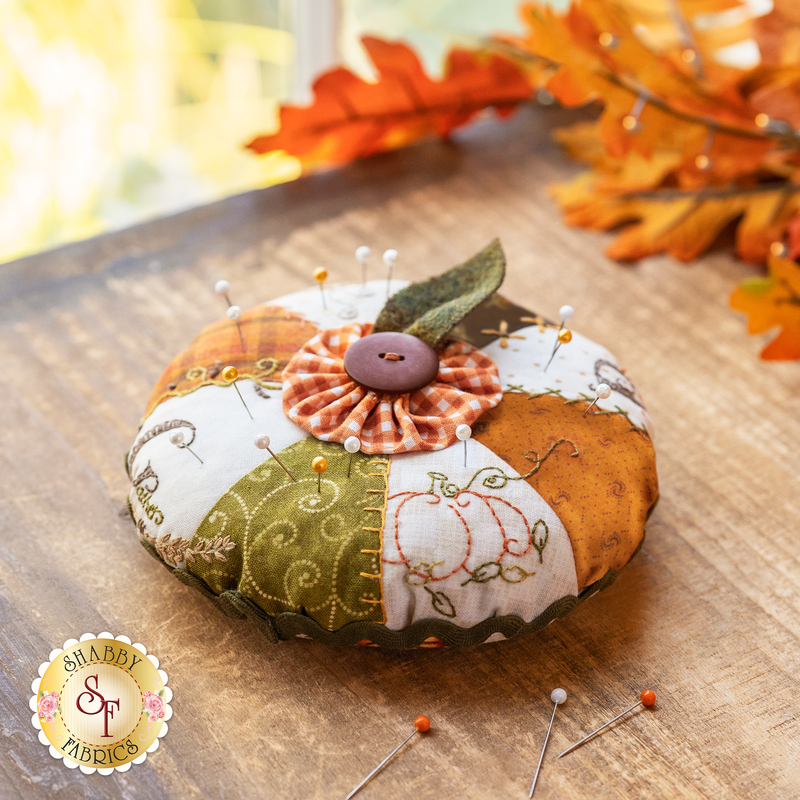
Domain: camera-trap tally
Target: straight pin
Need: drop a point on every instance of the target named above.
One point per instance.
(389, 257)
(421, 725)
(646, 698)
(222, 288)
(464, 432)
(563, 336)
(320, 276)
(176, 438)
(319, 465)
(362, 256)
(262, 443)
(603, 392)
(558, 696)
(230, 374)
(235, 314)
(352, 444)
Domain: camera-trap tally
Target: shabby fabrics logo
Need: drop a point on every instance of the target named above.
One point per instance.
(101, 703)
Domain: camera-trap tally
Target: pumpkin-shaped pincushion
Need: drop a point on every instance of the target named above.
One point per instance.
(487, 485)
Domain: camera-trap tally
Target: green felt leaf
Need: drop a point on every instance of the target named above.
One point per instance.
(430, 309)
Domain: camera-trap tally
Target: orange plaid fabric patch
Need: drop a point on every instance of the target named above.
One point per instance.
(271, 335)
(320, 397)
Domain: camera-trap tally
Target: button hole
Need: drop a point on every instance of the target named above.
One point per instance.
(391, 357)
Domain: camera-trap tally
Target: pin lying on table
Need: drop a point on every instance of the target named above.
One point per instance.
(646, 698)
(262, 443)
(421, 725)
(176, 438)
(564, 335)
(352, 444)
(602, 392)
(558, 696)
(234, 314)
(230, 374)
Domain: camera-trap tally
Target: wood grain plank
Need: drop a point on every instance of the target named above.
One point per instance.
(707, 614)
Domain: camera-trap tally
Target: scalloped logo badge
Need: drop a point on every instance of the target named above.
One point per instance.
(101, 703)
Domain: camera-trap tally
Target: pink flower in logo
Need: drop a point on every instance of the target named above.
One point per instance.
(49, 718)
(154, 706)
(48, 706)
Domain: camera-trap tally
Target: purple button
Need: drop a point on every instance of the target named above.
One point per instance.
(391, 363)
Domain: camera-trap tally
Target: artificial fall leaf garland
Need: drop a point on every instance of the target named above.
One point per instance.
(684, 146)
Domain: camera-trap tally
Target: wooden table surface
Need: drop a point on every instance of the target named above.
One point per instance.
(706, 614)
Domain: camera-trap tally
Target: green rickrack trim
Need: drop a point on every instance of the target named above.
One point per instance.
(288, 624)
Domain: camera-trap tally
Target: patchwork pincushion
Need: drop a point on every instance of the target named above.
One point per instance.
(419, 538)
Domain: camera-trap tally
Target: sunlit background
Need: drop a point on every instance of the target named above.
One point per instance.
(116, 111)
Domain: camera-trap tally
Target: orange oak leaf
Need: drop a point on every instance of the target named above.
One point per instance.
(351, 118)
(681, 223)
(772, 302)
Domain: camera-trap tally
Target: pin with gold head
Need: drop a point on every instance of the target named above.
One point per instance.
(320, 276)
(564, 335)
(319, 465)
(230, 374)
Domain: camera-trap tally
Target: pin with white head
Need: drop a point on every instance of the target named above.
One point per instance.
(647, 698)
(235, 314)
(564, 335)
(558, 696)
(362, 256)
(464, 432)
(352, 444)
(602, 392)
(222, 287)
(320, 276)
(421, 725)
(176, 438)
(230, 374)
(262, 443)
(389, 258)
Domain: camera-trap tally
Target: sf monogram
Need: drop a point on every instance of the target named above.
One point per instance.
(105, 706)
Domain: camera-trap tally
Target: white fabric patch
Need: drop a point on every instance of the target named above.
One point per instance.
(462, 537)
(346, 302)
(224, 436)
(576, 369)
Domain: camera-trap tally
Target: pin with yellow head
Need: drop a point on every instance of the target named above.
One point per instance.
(229, 375)
(320, 276)
(564, 335)
(319, 465)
